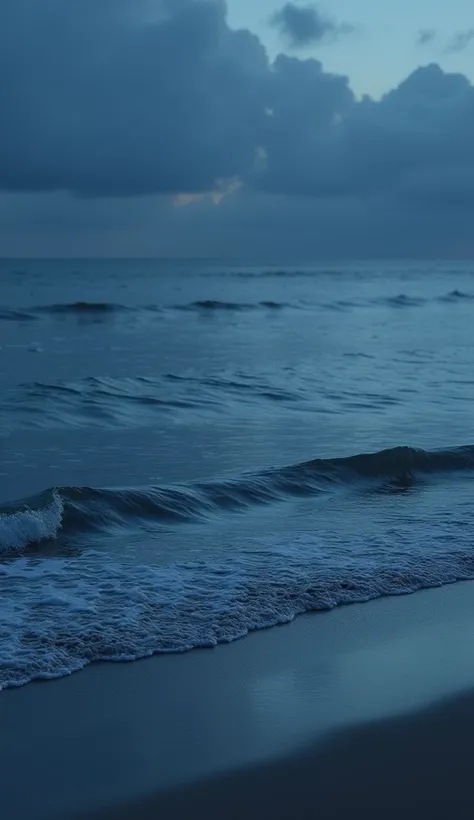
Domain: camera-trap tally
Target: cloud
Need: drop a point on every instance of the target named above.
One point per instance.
(322, 142)
(305, 25)
(461, 40)
(109, 103)
(425, 36)
(126, 133)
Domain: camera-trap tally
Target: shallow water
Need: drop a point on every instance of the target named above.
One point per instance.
(182, 449)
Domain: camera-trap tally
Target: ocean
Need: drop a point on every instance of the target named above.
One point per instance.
(190, 451)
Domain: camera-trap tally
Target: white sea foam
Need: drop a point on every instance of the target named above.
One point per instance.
(70, 611)
(29, 526)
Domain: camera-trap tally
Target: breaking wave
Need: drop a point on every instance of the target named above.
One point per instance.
(65, 608)
(72, 510)
(40, 519)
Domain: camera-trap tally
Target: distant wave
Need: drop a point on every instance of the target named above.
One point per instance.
(123, 402)
(104, 310)
(239, 384)
(457, 296)
(77, 509)
(83, 308)
(217, 305)
(281, 274)
(9, 315)
(401, 301)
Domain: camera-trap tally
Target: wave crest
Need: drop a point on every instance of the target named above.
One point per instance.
(210, 305)
(73, 510)
(103, 310)
(84, 307)
(32, 524)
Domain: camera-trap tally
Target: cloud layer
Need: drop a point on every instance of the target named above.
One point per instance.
(162, 99)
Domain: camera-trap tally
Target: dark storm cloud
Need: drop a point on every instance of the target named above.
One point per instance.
(304, 25)
(100, 101)
(97, 100)
(419, 137)
(425, 36)
(461, 40)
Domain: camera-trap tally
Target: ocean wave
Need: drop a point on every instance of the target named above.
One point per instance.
(38, 520)
(238, 384)
(100, 401)
(401, 301)
(101, 311)
(282, 274)
(11, 315)
(87, 509)
(104, 310)
(83, 308)
(209, 305)
(74, 510)
(457, 296)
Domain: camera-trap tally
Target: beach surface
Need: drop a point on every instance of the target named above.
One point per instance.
(367, 710)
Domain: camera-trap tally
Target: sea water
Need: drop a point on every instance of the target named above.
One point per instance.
(193, 450)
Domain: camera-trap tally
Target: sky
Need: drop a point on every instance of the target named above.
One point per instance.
(383, 47)
(252, 130)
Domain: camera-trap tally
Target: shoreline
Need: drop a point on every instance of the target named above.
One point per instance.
(329, 695)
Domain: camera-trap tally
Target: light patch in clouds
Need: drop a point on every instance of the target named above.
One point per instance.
(425, 36)
(305, 25)
(183, 200)
(461, 40)
(224, 188)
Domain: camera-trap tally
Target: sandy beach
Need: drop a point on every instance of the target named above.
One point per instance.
(365, 710)
(413, 766)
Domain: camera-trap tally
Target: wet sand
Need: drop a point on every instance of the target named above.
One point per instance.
(363, 711)
(410, 767)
